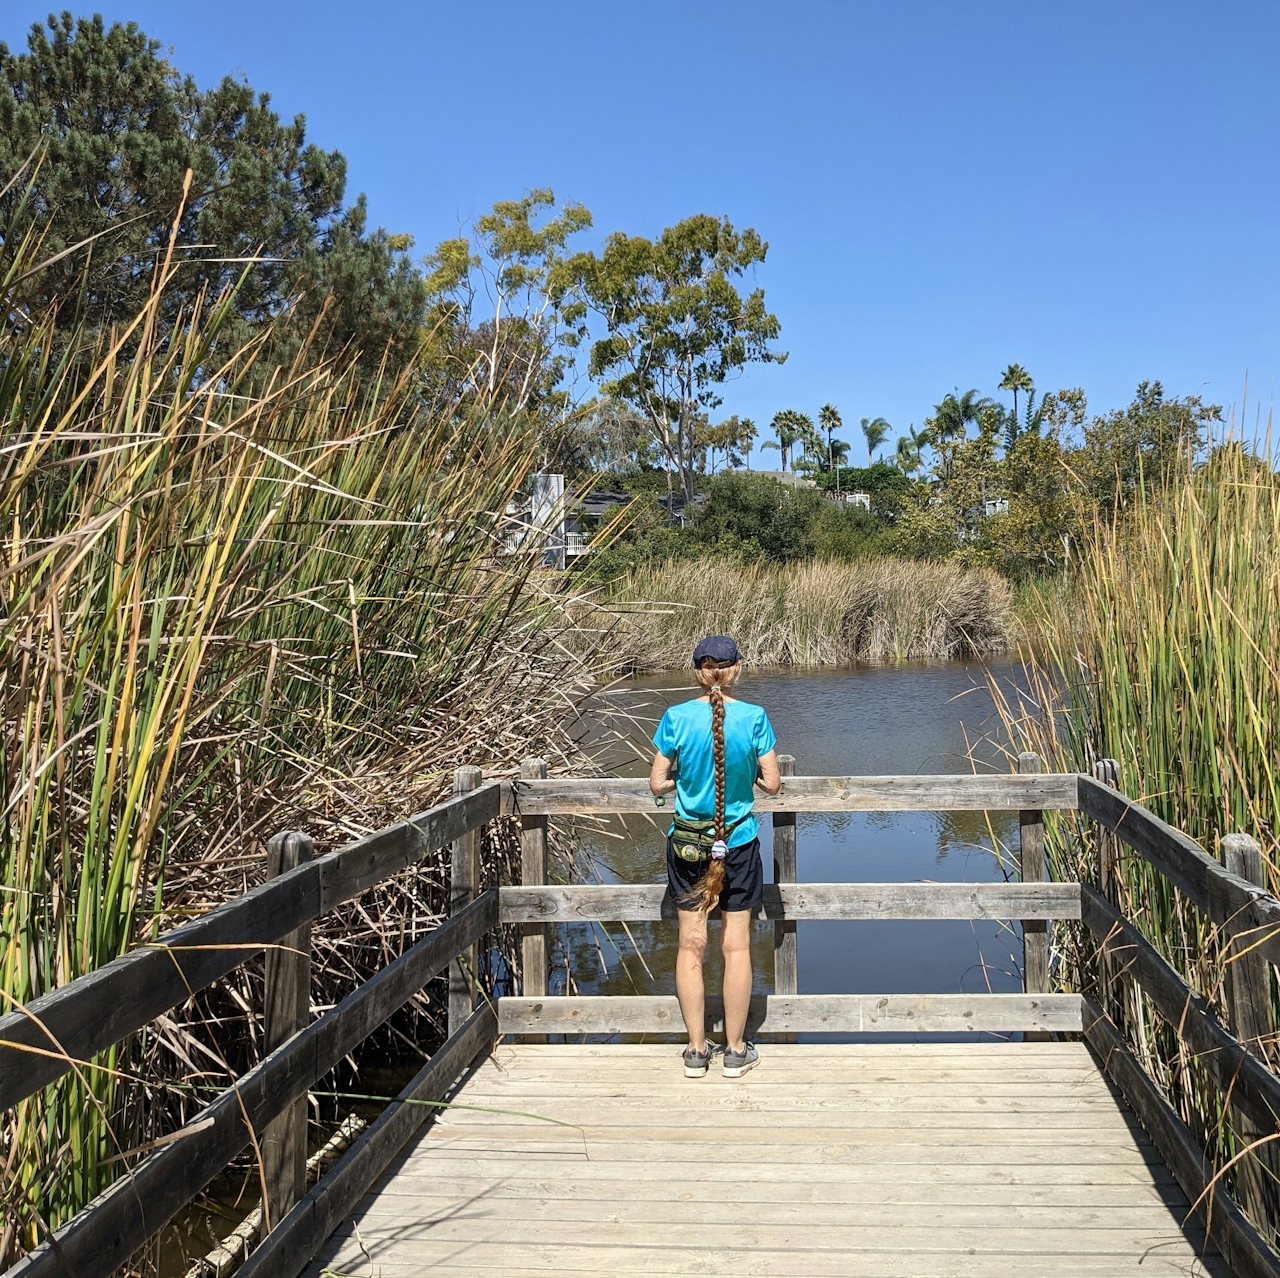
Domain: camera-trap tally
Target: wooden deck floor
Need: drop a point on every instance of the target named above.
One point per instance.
(868, 1160)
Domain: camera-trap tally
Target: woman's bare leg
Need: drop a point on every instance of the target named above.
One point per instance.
(735, 942)
(689, 986)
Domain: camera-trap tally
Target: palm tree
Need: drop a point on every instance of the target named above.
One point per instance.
(789, 426)
(876, 430)
(951, 418)
(907, 455)
(830, 421)
(1016, 378)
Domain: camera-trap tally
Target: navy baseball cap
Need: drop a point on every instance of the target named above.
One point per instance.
(721, 647)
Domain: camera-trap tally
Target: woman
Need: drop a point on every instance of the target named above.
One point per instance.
(711, 751)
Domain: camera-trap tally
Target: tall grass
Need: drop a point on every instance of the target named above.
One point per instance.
(234, 597)
(1168, 660)
(811, 614)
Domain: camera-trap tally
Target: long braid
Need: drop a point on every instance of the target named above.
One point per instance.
(716, 694)
(707, 891)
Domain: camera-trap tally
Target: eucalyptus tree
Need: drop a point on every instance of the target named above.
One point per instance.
(502, 325)
(731, 438)
(676, 326)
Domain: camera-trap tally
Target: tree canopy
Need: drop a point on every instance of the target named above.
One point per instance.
(97, 133)
(676, 326)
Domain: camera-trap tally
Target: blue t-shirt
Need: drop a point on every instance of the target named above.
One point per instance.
(684, 736)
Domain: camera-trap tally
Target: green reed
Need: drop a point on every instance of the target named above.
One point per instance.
(1165, 655)
(229, 591)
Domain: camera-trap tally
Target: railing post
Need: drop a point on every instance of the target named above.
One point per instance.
(1107, 771)
(287, 1009)
(1035, 934)
(464, 880)
(533, 870)
(785, 957)
(1249, 1000)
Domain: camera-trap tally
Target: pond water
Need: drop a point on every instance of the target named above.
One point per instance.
(869, 721)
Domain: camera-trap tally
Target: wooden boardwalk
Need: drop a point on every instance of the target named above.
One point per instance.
(870, 1160)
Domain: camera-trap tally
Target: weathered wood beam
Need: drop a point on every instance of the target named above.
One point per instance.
(1234, 904)
(70, 1025)
(963, 793)
(1237, 1073)
(786, 953)
(289, 1248)
(799, 1013)
(644, 902)
(1242, 1247)
(99, 1239)
(286, 1009)
(533, 872)
(464, 883)
(1249, 999)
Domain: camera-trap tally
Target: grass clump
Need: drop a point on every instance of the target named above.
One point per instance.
(823, 613)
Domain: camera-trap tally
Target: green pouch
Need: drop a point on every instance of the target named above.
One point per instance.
(693, 840)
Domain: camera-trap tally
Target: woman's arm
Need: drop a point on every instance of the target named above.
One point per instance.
(662, 774)
(767, 777)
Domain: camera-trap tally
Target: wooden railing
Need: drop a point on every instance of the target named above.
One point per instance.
(66, 1028)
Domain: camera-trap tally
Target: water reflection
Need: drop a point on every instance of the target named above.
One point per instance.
(923, 718)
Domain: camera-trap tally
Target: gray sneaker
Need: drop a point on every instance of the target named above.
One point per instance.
(737, 1063)
(696, 1064)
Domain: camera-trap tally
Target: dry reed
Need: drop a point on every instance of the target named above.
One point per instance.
(812, 614)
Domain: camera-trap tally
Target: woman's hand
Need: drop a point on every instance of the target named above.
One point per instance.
(767, 775)
(661, 775)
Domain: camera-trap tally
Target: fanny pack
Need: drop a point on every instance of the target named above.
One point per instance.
(696, 840)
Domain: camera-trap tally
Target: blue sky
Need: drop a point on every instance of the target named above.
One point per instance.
(1089, 189)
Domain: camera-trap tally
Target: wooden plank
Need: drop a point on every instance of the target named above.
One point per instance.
(94, 1243)
(746, 1135)
(798, 1238)
(1239, 1242)
(585, 1185)
(641, 1154)
(1035, 936)
(86, 1016)
(800, 1013)
(1237, 906)
(289, 1248)
(286, 1010)
(1014, 1216)
(641, 902)
(786, 957)
(428, 1165)
(1234, 1071)
(533, 872)
(464, 882)
(994, 792)
(1166, 1257)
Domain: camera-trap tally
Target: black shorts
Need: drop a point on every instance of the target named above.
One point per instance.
(743, 877)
